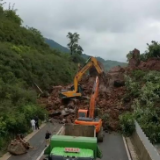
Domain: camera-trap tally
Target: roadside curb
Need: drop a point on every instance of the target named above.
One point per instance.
(127, 149)
(27, 138)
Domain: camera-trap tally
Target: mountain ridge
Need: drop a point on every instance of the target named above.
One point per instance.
(108, 64)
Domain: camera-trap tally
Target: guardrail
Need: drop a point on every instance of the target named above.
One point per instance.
(143, 146)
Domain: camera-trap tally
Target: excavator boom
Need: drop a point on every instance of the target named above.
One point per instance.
(91, 119)
(93, 98)
(75, 92)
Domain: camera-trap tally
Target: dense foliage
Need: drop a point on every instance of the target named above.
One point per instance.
(144, 88)
(127, 124)
(26, 64)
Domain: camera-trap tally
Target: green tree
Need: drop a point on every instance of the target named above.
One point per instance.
(153, 49)
(2, 3)
(73, 44)
(129, 56)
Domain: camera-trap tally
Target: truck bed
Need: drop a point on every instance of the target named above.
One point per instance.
(78, 130)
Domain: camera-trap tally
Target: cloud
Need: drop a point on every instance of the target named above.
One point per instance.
(107, 28)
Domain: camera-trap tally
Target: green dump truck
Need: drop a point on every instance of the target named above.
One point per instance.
(74, 142)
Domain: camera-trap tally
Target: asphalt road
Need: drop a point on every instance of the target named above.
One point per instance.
(113, 147)
(38, 142)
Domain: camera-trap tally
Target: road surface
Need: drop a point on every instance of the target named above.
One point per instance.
(38, 141)
(112, 146)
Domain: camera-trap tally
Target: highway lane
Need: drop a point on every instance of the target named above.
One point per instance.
(113, 147)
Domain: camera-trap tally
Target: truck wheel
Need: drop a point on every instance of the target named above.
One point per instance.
(100, 135)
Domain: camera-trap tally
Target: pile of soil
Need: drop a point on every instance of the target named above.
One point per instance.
(110, 100)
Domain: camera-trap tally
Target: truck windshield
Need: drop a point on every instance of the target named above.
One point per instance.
(68, 158)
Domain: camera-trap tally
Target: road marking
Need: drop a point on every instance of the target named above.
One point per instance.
(7, 155)
(127, 150)
(45, 147)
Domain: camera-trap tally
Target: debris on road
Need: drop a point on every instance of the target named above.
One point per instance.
(18, 146)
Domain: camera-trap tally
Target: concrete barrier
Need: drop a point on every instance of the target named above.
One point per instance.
(144, 148)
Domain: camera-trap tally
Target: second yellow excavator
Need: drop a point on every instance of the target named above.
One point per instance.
(76, 89)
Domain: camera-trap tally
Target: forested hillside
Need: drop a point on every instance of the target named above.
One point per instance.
(56, 46)
(26, 64)
(108, 64)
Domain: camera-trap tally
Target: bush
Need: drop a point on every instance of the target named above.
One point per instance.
(132, 86)
(31, 111)
(127, 124)
(148, 119)
(146, 104)
(138, 74)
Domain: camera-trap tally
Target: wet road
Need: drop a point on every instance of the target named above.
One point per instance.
(113, 147)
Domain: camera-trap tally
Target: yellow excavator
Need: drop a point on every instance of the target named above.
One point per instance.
(76, 91)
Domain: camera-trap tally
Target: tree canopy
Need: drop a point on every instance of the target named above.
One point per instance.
(73, 45)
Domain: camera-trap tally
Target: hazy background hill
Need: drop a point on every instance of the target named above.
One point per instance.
(57, 46)
(108, 64)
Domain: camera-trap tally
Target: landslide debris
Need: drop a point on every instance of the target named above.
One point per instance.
(108, 102)
(112, 100)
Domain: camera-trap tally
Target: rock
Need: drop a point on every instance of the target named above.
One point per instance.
(134, 61)
(16, 148)
(63, 112)
(71, 104)
(119, 83)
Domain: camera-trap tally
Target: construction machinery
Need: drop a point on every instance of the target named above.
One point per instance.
(73, 142)
(76, 90)
(88, 116)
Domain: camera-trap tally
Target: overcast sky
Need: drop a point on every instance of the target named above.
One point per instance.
(107, 28)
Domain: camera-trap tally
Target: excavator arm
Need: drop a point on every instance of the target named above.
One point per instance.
(89, 63)
(93, 98)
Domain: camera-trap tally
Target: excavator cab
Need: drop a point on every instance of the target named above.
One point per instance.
(82, 113)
